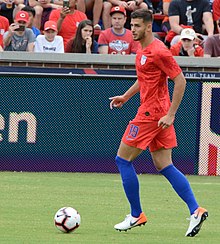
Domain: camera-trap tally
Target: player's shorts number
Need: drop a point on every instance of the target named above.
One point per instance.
(133, 130)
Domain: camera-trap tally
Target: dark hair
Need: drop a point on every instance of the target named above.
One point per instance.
(29, 9)
(78, 45)
(144, 14)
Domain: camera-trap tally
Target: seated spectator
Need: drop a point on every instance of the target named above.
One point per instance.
(67, 20)
(92, 8)
(43, 9)
(7, 8)
(117, 39)
(4, 24)
(49, 42)
(19, 37)
(216, 13)
(83, 42)
(31, 12)
(156, 7)
(187, 46)
(190, 13)
(212, 46)
(129, 6)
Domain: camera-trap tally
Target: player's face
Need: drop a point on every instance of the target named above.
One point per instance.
(86, 32)
(118, 21)
(139, 29)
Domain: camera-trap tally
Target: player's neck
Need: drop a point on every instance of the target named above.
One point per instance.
(147, 40)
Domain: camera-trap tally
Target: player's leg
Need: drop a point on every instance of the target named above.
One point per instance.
(126, 154)
(163, 162)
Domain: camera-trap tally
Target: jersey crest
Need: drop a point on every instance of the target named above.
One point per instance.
(143, 59)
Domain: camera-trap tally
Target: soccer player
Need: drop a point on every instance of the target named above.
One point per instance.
(153, 124)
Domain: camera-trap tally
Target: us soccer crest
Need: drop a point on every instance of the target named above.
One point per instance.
(143, 60)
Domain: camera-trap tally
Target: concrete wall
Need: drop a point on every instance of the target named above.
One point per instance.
(96, 61)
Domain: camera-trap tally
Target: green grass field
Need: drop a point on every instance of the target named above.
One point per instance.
(29, 201)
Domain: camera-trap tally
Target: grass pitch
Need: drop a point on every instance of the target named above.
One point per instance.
(29, 201)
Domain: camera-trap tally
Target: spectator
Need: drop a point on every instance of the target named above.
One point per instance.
(117, 39)
(18, 37)
(129, 6)
(7, 8)
(155, 6)
(83, 42)
(4, 24)
(67, 20)
(212, 46)
(49, 42)
(190, 13)
(31, 12)
(43, 9)
(187, 46)
(216, 13)
(91, 7)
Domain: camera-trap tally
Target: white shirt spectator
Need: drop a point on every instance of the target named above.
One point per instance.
(43, 45)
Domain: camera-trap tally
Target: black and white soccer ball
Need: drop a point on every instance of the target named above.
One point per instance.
(67, 219)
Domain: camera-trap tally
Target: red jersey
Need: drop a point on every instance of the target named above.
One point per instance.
(118, 44)
(69, 24)
(153, 65)
(4, 24)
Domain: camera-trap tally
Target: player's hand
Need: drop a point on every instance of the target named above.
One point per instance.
(117, 102)
(166, 121)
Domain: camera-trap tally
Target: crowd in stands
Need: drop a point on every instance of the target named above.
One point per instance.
(187, 27)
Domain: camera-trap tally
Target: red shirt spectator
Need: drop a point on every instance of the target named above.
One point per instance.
(4, 24)
(117, 40)
(67, 20)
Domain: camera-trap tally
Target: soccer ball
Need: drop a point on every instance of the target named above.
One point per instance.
(67, 219)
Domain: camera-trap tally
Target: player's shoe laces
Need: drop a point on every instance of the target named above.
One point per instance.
(131, 222)
(196, 221)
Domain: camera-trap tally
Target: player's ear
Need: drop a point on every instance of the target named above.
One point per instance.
(149, 26)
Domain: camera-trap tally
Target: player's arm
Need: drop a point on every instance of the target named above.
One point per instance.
(118, 101)
(179, 89)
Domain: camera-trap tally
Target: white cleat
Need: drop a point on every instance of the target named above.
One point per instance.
(196, 221)
(131, 222)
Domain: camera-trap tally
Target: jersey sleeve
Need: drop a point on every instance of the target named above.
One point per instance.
(166, 62)
(102, 41)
